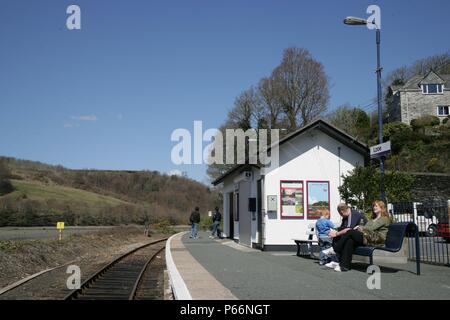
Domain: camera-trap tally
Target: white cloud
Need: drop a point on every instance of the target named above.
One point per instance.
(175, 173)
(84, 118)
(70, 125)
(313, 200)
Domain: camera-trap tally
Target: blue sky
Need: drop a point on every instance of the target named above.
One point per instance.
(108, 96)
(317, 192)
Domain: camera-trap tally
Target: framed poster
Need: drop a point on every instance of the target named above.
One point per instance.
(318, 198)
(291, 200)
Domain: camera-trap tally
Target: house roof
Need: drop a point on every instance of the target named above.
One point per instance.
(319, 124)
(431, 77)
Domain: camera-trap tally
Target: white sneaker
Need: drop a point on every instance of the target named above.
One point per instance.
(338, 268)
(332, 265)
(211, 237)
(329, 252)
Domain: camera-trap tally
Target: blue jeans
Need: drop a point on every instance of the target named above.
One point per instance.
(216, 229)
(194, 230)
(324, 243)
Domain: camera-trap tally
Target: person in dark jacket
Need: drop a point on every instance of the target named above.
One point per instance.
(350, 219)
(216, 218)
(194, 219)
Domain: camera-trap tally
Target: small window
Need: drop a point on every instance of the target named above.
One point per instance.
(432, 88)
(443, 111)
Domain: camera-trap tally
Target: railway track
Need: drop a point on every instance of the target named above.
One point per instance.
(135, 275)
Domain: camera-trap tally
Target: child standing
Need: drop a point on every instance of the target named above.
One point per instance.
(323, 227)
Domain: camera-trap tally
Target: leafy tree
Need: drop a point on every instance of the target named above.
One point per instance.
(354, 121)
(362, 186)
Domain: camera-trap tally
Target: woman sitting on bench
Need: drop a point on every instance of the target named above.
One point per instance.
(373, 233)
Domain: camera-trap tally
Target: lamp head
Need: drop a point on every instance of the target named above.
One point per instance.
(354, 21)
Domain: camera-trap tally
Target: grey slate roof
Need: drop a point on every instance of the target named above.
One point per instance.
(319, 124)
(431, 77)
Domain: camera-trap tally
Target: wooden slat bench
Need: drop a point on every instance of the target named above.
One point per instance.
(309, 242)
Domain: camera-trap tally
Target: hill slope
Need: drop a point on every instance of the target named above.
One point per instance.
(38, 191)
(45, 194)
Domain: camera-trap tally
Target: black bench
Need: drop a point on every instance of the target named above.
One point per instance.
(394, 242)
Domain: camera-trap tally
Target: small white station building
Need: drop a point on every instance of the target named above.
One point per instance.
(266, 209)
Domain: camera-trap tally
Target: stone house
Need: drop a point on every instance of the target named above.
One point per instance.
(419, 96)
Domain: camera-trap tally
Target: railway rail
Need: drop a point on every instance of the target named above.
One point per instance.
(135, 275)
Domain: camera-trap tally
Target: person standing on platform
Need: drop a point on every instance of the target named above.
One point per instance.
(216, 218)
(194, 220)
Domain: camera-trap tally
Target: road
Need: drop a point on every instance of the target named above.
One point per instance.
(28, 233)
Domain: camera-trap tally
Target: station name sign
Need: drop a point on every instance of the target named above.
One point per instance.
(380, 150)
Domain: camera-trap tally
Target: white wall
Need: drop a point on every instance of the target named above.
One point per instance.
(229, 186)
(311, 156)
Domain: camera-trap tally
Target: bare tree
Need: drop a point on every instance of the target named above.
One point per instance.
(247, 111)
(439, 63)
(293, 95)
(303, 87)
(269, 92)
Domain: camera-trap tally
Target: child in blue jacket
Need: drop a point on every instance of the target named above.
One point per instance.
(323, 227)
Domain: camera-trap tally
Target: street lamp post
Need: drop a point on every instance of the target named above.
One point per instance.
(359, 21)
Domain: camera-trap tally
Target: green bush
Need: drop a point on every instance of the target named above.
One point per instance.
(5, 187)
(401, 138)
(424, 121)
(434, 165)
(393, 128)
(205, 222)
(362, 186)
(445, 120)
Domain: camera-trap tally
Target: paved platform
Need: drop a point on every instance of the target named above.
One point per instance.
(221, 269)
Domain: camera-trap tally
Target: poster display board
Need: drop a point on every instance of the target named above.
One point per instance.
(291, 199)
(318, 198)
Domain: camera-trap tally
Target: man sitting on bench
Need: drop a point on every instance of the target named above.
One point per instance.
(350, 219)
(373, 233)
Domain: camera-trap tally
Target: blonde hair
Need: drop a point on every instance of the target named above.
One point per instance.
(382, 206)
(325, 213)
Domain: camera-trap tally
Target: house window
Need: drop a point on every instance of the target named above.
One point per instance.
(443, 111)
(432, 88)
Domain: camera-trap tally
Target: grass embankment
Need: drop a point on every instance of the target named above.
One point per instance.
(34, 190)
(35, 203)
